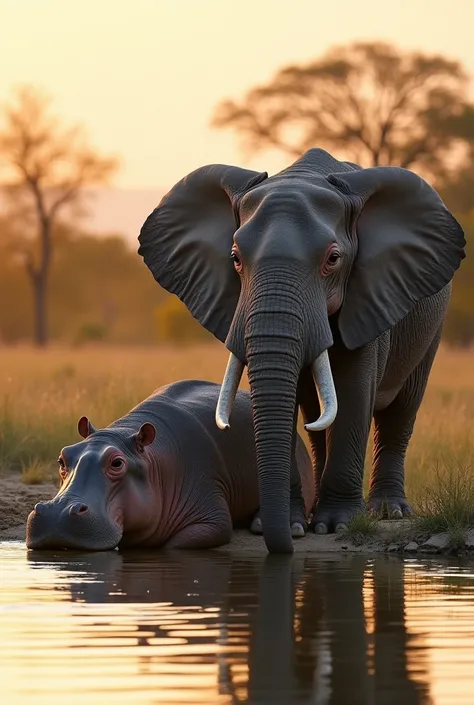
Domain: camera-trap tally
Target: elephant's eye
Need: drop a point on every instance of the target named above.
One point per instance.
(331, 261)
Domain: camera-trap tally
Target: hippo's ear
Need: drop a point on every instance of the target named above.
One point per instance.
(144, 436)
(85, 427)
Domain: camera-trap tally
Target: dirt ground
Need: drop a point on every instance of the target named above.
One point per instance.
(17, 500)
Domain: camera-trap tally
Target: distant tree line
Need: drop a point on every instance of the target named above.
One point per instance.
(373, 104)
(365, 102)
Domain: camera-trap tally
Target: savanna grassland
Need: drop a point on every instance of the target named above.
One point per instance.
(43, 393)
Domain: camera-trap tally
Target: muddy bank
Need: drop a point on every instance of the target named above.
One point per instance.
(17, 500)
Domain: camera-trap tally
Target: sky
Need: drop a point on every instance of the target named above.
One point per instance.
(144, 76)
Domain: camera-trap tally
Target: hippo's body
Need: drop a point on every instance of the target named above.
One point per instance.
(162, 475)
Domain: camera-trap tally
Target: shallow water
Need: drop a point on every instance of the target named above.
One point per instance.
(211, 628)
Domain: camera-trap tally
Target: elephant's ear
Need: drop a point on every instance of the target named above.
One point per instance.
(409, 246)
(187, 240)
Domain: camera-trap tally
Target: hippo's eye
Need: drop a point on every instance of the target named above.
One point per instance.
(63, 473)
(117, 463)
(235, 257)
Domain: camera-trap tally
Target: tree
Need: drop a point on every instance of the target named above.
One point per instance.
(98, 288)
(47, 168)
(366, 102)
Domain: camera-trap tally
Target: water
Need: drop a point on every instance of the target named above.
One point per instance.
(205, 628)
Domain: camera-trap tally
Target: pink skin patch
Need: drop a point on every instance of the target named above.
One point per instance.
(117, 518)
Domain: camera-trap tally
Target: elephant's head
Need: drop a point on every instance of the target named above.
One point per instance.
(266, 263)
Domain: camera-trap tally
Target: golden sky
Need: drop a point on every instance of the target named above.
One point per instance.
(145, 75)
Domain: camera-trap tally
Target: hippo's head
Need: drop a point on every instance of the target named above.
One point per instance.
(105, 491)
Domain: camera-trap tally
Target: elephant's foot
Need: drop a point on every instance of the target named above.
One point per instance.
(389, 507)
(334, 517)
(298, 524)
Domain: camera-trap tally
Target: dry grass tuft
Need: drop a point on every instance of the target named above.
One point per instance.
(360, 529)
(38, 473)
(448, 504)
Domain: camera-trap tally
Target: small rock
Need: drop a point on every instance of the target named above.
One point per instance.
(470, 538)
(344, 547)
(393, 548)
(411, 547)
(436, 543)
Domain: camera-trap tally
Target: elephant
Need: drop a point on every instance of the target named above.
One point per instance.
(330, 282)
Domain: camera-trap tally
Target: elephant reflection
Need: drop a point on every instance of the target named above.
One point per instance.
(301, 620)
(369, 647)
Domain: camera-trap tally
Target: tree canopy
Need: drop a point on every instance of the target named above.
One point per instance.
(366, 102)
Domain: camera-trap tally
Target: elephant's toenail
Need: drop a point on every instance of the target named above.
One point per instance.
(297, 530)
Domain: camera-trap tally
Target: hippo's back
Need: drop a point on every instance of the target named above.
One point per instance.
(199, 398)
(191, 402)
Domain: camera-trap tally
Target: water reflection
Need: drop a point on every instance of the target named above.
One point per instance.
(204, 627)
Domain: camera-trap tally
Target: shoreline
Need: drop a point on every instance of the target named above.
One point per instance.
(17, 501)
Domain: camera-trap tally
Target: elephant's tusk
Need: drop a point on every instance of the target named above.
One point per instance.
(322, 374)
(230, 385)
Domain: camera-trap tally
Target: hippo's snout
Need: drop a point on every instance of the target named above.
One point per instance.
(53, 525)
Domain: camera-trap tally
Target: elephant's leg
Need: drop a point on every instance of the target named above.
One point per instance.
(340, 492)
(298, 519)
(393, 430)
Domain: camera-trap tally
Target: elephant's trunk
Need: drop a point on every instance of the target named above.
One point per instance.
(275, 344)
(285, 329)
(273, 393)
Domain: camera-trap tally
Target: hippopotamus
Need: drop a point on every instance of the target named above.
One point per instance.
(163, 475)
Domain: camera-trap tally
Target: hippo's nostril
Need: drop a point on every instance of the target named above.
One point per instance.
(78, 508)
(39, 508)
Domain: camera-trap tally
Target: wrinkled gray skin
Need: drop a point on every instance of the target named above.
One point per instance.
(329, 256)
(163, 475)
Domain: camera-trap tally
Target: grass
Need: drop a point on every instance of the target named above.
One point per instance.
(43, 393)
(38, 473)
(447, 506)
(361, 528)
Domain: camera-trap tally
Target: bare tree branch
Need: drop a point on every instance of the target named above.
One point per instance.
(47, 169)
(370, 101)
